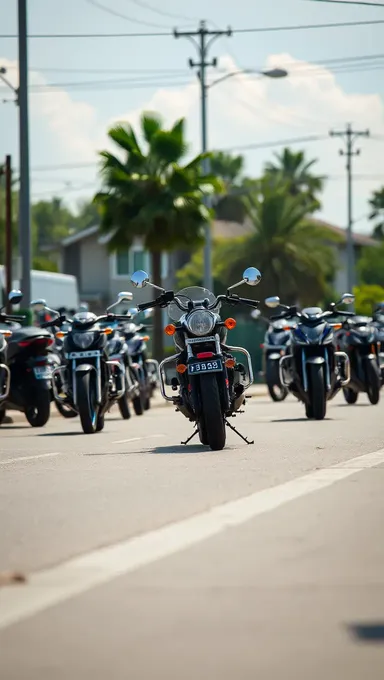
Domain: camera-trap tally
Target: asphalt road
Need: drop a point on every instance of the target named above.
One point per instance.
(147, 559)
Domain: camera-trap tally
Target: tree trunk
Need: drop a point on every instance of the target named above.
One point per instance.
(157, 340)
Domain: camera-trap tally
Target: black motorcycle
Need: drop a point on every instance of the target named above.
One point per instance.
(89, 382)
(359, 338)
(147, 369)
(312, 369)
(378, 322)
(275, 342)
(210, 382)
(8, 324)
(118, 351)
(29, 371)
(55, 360)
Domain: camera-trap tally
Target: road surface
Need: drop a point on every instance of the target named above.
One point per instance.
(145, 559)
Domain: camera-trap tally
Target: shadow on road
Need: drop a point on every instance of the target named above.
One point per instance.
(367, 632)
(60, 434)
(297, 420)
(352, 405)
(189, 448)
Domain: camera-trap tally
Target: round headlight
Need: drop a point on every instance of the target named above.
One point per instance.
(83, 340)
(200, 322)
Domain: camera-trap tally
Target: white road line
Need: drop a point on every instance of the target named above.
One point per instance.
(58, 584)
(136, 439)
(21, 459)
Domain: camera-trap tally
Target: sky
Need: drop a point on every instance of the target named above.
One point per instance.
(81, 86)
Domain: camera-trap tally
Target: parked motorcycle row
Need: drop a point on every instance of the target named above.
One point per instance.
(89, 363)
(84, 365)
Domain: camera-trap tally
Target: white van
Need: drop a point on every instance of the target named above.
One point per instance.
(59, 290)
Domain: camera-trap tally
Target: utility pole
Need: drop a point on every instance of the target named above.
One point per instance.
(8, 228)
(205, 38)
(24, 196)
(350, 137)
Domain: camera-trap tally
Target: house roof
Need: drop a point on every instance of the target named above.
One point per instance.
(80, 236)
(359, 239)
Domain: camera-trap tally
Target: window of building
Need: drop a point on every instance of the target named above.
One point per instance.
(138, 260)
(122, 263)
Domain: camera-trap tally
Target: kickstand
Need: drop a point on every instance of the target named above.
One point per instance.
(194, 433)
(247, 441)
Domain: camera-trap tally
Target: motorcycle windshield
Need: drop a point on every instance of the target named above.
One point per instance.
(197, 295)
(313, 334)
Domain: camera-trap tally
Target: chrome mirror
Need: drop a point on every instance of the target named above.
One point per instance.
(39, 305)
(125, 296)
(15, 296)
(140, 279)
(348, 299)
(252, 276)
(272, 302)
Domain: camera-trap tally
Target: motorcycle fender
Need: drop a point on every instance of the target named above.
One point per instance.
(84, 368)
(274, 357)
(315, 360)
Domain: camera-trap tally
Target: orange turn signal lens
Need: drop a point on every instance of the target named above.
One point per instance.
(337, 326)
(146, 338)
(287, 328)
(181, 368)
(108, 331)
(6, 334)
(230, 363)
(170, 329)
(60, 334)
(230, 324)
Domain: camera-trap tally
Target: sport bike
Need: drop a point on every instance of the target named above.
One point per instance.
(359, 338)
(275, 342)
(89, 382)
(210, 383)
(312, 369)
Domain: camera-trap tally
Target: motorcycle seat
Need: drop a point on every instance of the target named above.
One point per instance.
(26, 333)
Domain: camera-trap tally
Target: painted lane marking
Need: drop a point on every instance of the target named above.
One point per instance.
(21, 459)
(136, 439)
(79, 575)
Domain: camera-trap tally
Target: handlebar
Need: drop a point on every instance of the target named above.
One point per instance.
(11, 317)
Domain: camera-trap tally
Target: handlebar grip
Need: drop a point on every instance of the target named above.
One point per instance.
(14, 317)
(147, 305)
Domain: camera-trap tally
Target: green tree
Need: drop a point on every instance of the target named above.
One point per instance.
(366, 297)
(371, 265)
(293, 168)
(87, 215)
(52, 220)
(376, 203)
(147, 193)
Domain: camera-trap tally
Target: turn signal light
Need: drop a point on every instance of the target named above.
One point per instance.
(146, 338)
(230, 323)
(6, 334)
(108, 331)
(230, 363)
(170, 329)
(60, 334)
(337, 326)
(181, 368)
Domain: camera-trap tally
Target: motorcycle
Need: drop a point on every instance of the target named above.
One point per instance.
(311, 368)
(147, 369)
(29, 371)
(118, 351)
(210, 382)
(274, 346)
(359, 339)
(7, 326)
(89, 382)
(378, 322)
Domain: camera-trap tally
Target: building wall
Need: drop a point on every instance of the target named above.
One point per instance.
(71, 262)
(94, 267)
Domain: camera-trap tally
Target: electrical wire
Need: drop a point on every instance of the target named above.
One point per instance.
(264, 29)
(161, 12)
(114, 13)
(352, 2)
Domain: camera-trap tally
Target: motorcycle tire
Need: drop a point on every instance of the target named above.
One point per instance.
(86, 403)
(317, 391)
(65, 411)
(100, 423)
(147, 403)
(373, 382)
(277, 391)
(350, 396)
(138, 404)
(38, 413)
(123, 405)
(212, 412)
(2, 415)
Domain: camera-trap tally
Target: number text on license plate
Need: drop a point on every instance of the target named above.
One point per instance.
(212, 366)
(42, 372)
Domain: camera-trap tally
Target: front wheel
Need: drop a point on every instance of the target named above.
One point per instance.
(123, 405)
(277, 391)
(373, 382)
(212, 412)
(317, 398)
(37, 413)
(86, 402)
(350, 396)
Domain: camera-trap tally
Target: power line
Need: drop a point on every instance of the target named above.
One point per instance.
(265, 29)
(114, 13)
(162, 12)
(352, 2)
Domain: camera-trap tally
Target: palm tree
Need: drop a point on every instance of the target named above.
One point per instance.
(147, 193)
(293, 253)
(293, 168)
(377, 213)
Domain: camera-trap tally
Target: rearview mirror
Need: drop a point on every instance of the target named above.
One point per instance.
(252, 276)
(255, 314)
(39, 305)
(124, 296)
(15, 296)
(272, 302)
(139, 279)
(347, 299)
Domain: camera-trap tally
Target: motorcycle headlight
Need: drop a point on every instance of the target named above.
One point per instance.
(83, 340)
(200, 322)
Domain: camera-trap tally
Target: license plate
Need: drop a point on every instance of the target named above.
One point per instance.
(42, 372)
(83, 355)
(213, 366)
